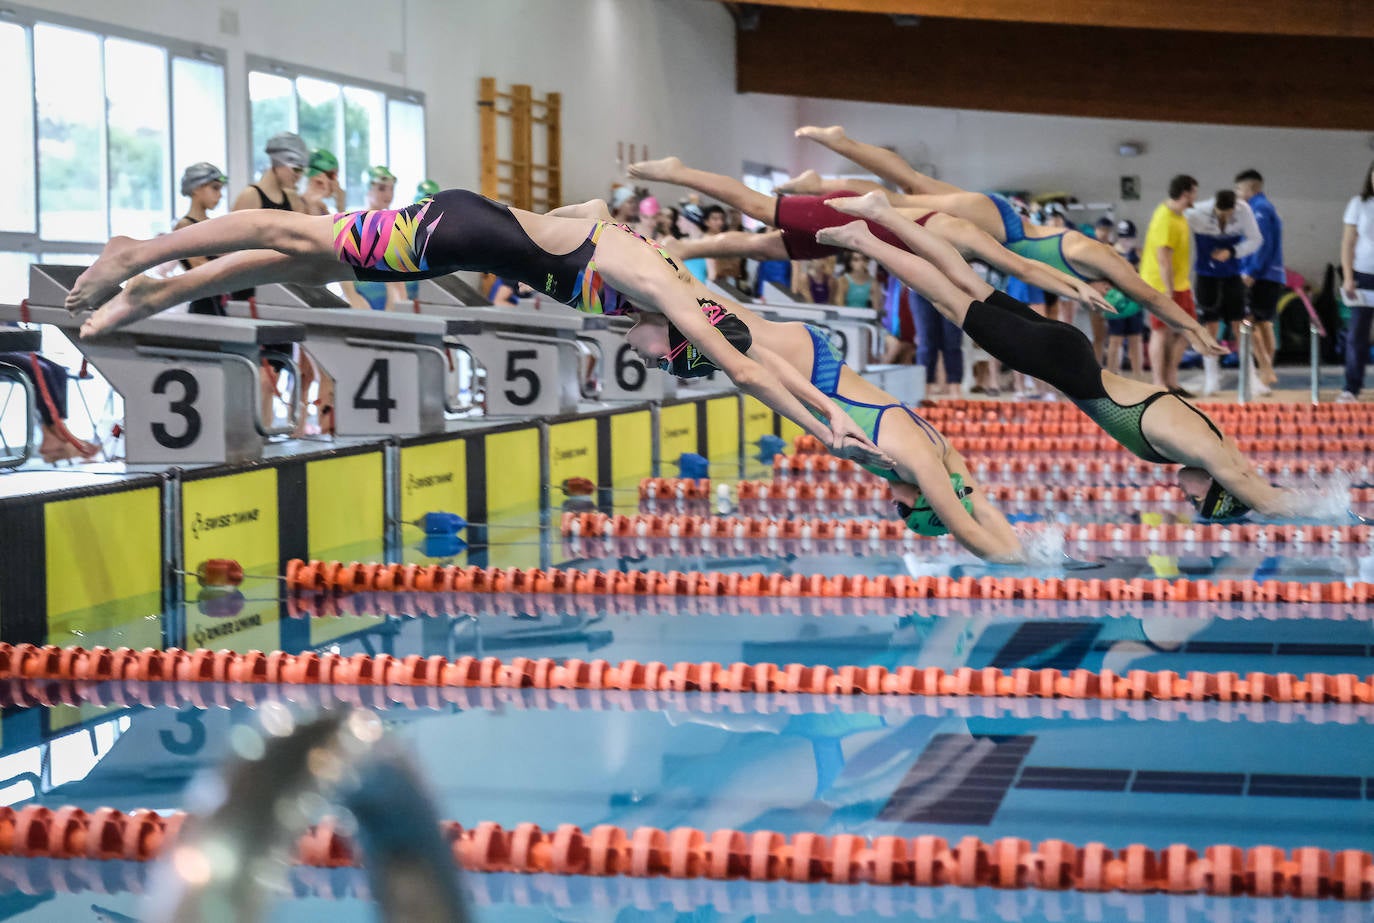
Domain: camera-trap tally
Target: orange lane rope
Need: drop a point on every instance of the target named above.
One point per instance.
(689, 853)
(28, 661)
(1064, 466)
(670, 525)
(130, 693)
(335, 576)
(667, 490)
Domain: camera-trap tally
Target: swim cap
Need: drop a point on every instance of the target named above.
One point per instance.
(621, 195)
(201, 174)
(648, 207)
(379, 173)
(287, 149)
(923, 520)
(427, 188)
(686, 361)
(323, 161)
(1220, 505)
(1125, 305)
(1125, 228)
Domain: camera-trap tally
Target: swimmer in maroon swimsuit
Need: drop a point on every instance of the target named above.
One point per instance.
(799, 217)
(1079, 254)
(571, 256)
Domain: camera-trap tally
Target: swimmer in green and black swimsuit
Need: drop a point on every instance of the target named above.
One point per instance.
(1153, 424)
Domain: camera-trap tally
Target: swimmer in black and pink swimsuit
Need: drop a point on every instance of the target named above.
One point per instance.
(451, 231)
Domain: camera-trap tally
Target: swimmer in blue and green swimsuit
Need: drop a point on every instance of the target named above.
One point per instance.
(1071, 252)
(935, 493)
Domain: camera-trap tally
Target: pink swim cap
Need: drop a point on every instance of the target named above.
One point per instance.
(648, 207)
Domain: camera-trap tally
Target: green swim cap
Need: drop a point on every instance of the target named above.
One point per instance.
(1125, 305)
(427, 188)
(923, 520)
(323, 161)
(379, 173)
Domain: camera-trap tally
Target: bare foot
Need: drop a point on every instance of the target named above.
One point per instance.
(871, 205)
(100, 282)
(850, 236)
(130, 304)
(807, 183)
(826, 136)
(663, 170)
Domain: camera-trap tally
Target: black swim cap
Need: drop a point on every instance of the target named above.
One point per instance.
(1220, 505)
(686, 361)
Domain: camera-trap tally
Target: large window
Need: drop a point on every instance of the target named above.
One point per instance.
(118, 117)
(363, 125)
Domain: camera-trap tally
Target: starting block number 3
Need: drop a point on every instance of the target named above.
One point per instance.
(175, 413)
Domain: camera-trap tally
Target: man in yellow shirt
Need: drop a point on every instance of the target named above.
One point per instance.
(1165, 262)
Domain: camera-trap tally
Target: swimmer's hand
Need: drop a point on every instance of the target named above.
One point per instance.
(1094, 295)
(1203, 342)
(847, 440)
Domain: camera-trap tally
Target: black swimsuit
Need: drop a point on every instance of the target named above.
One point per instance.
(457, 230)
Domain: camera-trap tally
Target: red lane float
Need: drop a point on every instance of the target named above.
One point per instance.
(688, 853)
(336, 577)
(98, 664)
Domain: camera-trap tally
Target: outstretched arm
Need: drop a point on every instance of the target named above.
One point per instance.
(1121, 274)
(973, 242)
(884, 163)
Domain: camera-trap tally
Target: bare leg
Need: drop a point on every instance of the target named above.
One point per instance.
(1114, 344)
(890, 165)
(251, 229)
(1264, 352)
(1159, 358)
(918, 274)
(1135, 350)
(143, 296)
(767, 246)
(809, 182)
(731, 191)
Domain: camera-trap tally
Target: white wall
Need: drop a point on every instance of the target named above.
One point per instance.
(655, 72)
(1309, 175)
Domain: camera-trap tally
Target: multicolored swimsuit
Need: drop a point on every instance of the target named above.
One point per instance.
(457, 230)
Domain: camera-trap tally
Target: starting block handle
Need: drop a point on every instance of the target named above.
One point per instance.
(15, 374)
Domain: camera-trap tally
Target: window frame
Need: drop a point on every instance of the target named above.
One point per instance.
(279, 68)
(28, 17)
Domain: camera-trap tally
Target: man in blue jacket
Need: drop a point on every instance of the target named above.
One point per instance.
(1262, 271)
(1224, 233)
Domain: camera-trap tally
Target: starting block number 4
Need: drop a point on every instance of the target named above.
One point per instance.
(378, 393)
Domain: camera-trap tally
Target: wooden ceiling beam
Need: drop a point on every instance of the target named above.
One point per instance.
(1061, 70)
(1332, 18)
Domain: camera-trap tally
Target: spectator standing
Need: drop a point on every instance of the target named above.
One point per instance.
(1357, 284)
(1263, 272)
(203, 183)
(1127, 326)
(1165, 266)
(1224, 233)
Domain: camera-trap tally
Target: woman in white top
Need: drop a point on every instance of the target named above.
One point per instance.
(1357, 284)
